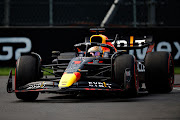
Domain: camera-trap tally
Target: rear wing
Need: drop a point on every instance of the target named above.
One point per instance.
(97, 30)
(132, 42)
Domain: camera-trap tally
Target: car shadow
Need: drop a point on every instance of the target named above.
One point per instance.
(88, 98)
(99, 98)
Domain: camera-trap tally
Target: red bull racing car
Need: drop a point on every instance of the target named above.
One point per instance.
(99, 64)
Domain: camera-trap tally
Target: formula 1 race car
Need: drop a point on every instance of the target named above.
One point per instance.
(98, 64)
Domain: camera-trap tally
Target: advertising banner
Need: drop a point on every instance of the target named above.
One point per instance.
(15, 42)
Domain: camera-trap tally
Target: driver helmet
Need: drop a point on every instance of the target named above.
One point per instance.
(95, 51)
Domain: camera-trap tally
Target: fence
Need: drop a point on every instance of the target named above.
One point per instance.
(128, 13)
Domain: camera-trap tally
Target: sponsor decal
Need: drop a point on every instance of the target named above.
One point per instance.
(77, 62)
(99, 84)
(36, 86)
(124, 43)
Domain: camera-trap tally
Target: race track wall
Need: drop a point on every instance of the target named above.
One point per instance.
(17, 41)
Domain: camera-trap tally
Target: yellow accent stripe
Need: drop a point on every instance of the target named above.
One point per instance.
(42, 84)
(104, 84)
(131, 41)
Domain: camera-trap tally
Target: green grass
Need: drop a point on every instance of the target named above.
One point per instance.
(4, 71)
(177, 70)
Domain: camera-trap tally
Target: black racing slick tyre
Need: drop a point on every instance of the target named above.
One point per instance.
(121, 64)
(159, 75)
(27, 70)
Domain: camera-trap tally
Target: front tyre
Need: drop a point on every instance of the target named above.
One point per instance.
(27, 96)
(27, 70)
(123, 63)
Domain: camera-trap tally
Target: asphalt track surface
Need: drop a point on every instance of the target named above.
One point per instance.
(65, 107)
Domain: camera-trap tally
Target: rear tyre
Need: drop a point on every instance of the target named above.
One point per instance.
(159, 74)
(27, 70)
(122, 63)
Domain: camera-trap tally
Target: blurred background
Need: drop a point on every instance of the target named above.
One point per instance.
(125, 13)
(45, 25)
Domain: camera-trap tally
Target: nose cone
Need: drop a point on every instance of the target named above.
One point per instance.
(68, 79)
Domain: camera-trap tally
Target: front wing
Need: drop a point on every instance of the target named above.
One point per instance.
(52, 87)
